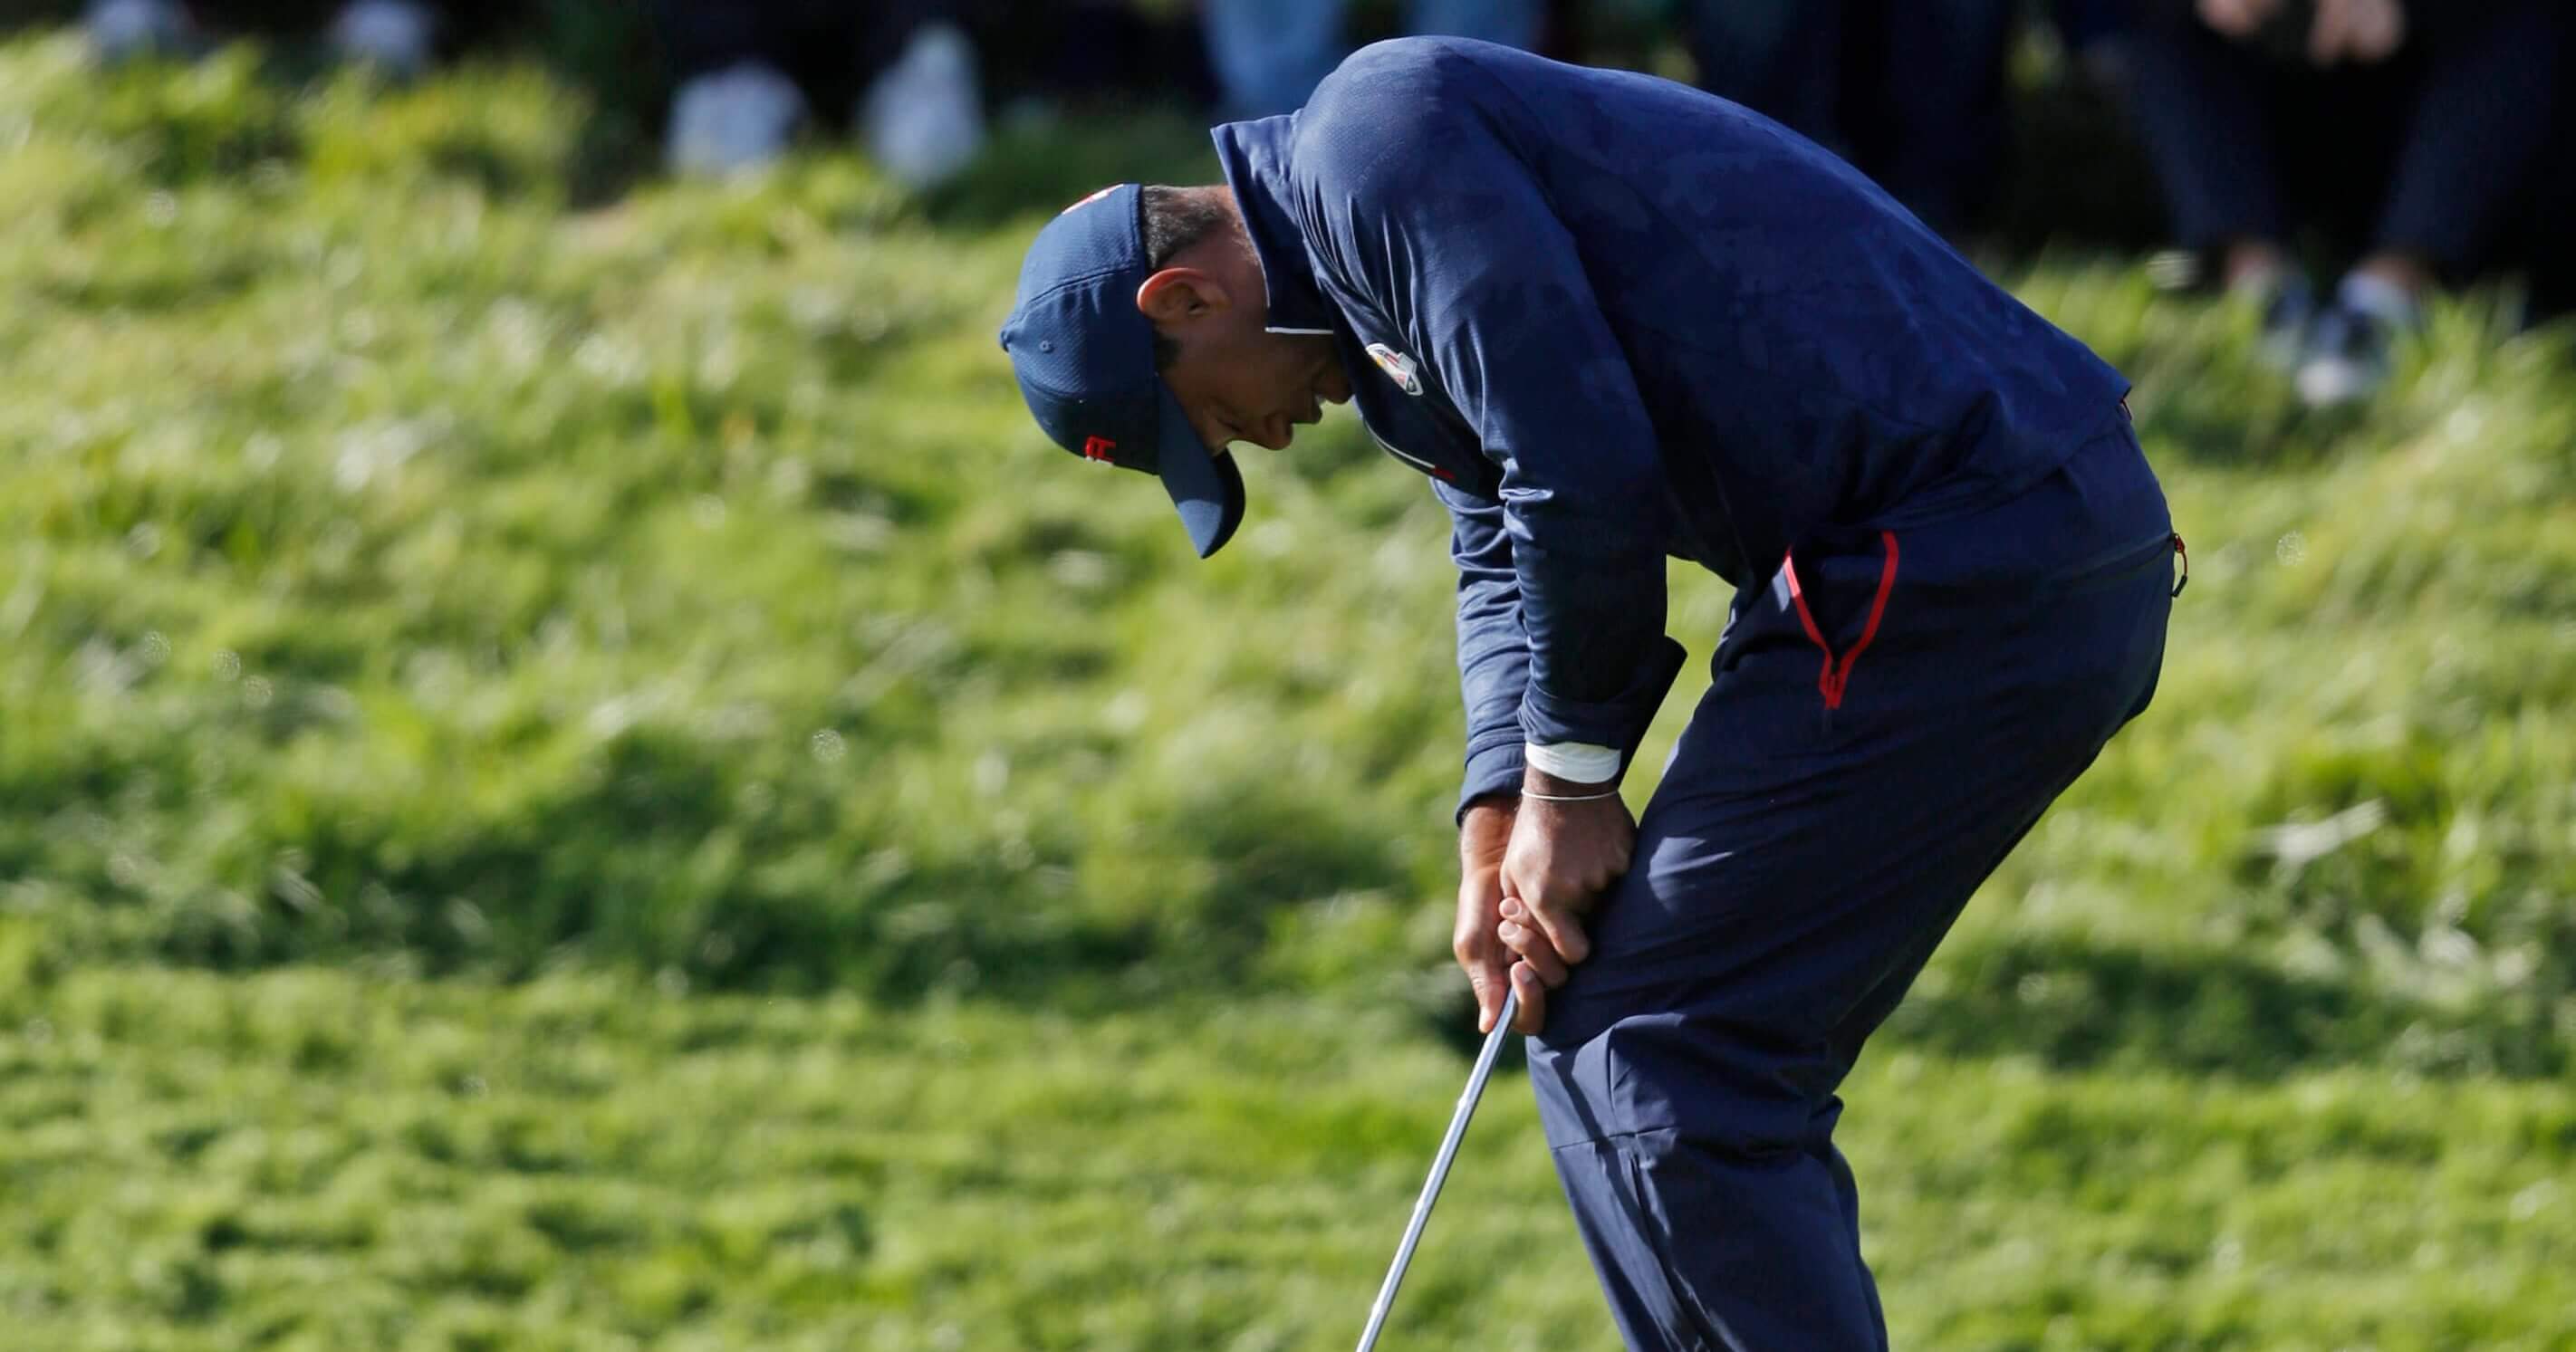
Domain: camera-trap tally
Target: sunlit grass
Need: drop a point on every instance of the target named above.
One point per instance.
(585, 778)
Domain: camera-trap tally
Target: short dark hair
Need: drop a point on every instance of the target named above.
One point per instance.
(1175, 219)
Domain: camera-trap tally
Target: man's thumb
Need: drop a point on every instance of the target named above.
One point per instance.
(1488, 985)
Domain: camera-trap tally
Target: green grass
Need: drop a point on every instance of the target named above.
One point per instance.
(316, 1158)
(583, 778)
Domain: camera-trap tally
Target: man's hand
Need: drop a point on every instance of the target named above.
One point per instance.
(1483, 835)
(1529, 871)
(2238, 19)
(2363, 31)
(1562, 858)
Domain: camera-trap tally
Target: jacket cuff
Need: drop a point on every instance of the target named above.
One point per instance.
(1620, 721)
(1495, 767)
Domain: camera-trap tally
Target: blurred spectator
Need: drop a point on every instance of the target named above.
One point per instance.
(750, 72)
(1911, 91)
(1270, 54)
(2093, 32)
(1042, 57)
(2543, 247)
(2407, 132)
(400, 36)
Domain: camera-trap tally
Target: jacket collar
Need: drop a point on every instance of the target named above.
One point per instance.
(1255, 158)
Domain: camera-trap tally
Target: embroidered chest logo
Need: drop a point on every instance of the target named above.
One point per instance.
(1398, 367)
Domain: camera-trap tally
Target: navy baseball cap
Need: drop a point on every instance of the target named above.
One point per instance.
(1084, 355)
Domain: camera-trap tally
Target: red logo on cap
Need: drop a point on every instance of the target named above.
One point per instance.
(1098, 448)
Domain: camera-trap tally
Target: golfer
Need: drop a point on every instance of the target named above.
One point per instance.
(1614, 320)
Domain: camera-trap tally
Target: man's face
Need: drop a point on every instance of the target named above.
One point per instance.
(1237, 380)
(1241, 383)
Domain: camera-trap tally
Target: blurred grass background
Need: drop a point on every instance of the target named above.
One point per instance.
(573, 773)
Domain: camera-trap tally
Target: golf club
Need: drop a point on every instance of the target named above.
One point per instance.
(1440, 1167)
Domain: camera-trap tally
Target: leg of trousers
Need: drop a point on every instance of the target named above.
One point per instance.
(1934, 127)
(1781, 58)
(2204, 107)
(2475, 134)
(1798, 865)
(1270, 54)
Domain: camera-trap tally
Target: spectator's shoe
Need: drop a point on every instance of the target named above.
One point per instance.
(2351, 347)
(395, 36)
(923, 119)
(2287, 307)
(123, 30)
(735, 120)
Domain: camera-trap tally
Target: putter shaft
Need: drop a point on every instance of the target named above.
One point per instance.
(1440, 1168)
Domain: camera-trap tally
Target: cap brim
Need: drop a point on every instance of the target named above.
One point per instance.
(1207, 488)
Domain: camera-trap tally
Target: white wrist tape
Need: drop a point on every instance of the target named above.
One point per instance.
(1574, 762)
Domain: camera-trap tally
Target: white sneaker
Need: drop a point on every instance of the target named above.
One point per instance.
(121, 30)
(2348, 358)
(2352, 349)
(734, 120)
(2287, 307)
(923, 119)
(396, 35)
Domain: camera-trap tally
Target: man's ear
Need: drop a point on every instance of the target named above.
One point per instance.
(1175, 295)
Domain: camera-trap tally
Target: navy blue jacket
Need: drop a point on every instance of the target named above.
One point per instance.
(1616, 318)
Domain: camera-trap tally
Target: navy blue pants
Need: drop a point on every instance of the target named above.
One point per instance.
(1911, 92)
(1886, 720)
(2434, 153)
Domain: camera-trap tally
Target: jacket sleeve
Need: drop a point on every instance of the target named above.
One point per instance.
(1493, 656)
(1463, 254)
